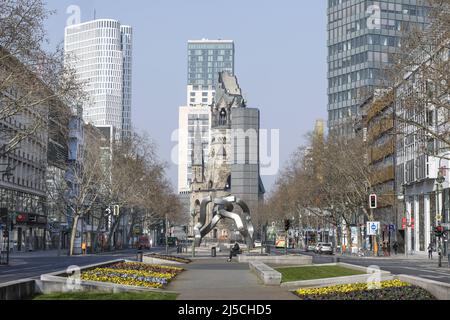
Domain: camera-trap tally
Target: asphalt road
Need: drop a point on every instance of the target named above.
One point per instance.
(33, 265)
(414, 266)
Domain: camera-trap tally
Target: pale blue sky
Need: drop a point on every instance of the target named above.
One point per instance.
(280, 59)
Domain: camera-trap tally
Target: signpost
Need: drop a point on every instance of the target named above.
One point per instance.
(373, 228)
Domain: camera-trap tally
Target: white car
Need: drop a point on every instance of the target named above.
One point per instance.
(325, 248)
(258, 244)
(311, 247)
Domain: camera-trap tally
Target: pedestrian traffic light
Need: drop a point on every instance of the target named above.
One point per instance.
(287, 225)
(373, 201)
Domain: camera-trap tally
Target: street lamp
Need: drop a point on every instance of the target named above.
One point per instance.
(440, 181)
(193, 215)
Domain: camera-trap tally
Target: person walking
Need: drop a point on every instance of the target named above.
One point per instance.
(234, 251)
(395, 246)
(430, 251)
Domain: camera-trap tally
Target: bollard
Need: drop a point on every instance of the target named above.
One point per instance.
(213, 252)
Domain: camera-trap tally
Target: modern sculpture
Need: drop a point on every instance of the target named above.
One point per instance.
(223, 209)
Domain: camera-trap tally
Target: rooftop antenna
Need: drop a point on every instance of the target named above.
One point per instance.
(95, 14)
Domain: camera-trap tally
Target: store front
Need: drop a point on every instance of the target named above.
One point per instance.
(29, 232)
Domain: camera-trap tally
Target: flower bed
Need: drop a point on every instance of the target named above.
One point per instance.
(170, 258)
(133, 274)
(388, 290)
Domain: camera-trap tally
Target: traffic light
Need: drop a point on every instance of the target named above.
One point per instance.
(287, 225)
(373, 201)
(439, 231)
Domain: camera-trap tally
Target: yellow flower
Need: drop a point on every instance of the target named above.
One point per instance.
(348, 288)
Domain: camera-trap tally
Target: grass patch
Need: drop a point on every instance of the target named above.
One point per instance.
(315, 272)
(107, 296)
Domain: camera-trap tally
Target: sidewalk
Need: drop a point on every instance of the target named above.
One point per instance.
(402, 256)
(217, 279)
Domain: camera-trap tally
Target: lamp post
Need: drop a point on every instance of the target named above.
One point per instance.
(440, 207)
(193, 215)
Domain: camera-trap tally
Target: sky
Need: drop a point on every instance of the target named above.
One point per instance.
(280, 60)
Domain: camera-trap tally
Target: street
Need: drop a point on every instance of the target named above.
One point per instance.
(34, 264)
(418, 265)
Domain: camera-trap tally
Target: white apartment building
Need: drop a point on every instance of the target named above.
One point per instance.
(421, 158)
(101, 53)
(206, 58)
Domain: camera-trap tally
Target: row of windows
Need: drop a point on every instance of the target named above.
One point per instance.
(209, 58)
(353, 77)
(346, 95)
(386, 6)
(342, 113)
(198, 116)
(210, 52)
(357, 42)
(209, 46)
(22, 202)
(350, 61)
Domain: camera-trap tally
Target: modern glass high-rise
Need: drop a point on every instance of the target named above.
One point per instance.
(363, 37)
(206, 59)
(101, 53)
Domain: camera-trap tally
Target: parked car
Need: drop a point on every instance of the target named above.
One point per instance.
(258, 244)
(317, 247)
(310, 247)
(325, 248)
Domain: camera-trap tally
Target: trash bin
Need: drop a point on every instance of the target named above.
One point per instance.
(213, 252)
(140, 256)
(268, 249)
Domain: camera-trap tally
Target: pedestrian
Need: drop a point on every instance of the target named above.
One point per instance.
(234, 251)
(395, 246)
(430, 251)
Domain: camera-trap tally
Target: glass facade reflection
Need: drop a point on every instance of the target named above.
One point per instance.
(363, 37)
(206, 58)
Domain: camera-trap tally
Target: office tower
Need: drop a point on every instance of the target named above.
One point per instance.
(206, 59)
(363, 37)
(101, 53)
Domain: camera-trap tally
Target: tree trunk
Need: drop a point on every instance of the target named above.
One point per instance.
(349, 238)
(73, 234)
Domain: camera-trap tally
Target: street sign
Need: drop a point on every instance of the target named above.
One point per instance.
(392, 228)
(373, 228)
